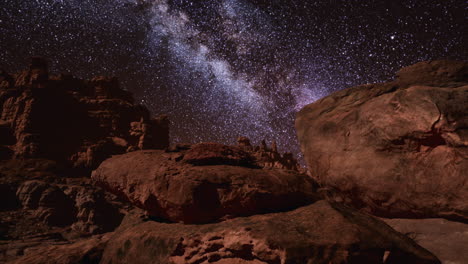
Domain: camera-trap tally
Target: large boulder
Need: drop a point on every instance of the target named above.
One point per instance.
(397, 149)
(169, 186)
(318, 233)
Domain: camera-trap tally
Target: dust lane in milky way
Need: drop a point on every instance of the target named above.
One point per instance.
(221, 69)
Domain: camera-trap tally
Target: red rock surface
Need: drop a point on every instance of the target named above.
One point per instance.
(168, 186)
(74, 121)
(40, 207)
(86, 251)
(397, 149)
(446, 239)
(318, 233)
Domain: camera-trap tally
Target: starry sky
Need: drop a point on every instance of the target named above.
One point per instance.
(226, 68)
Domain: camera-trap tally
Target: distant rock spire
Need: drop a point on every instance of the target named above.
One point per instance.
(243, 142)
(274, 147)
(263, 146)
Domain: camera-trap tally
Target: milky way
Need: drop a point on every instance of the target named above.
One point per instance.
(221, 69)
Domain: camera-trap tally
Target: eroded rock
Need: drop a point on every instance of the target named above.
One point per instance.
(169, 187)
(75, 122)
(445, 239)
(398, 149)
(85, 251)
(318, 233)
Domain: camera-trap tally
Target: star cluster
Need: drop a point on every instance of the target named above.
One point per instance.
(222, 69)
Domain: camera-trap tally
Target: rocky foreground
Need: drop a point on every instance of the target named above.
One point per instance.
(87, 176)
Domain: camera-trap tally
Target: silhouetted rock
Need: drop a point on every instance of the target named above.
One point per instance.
(6, 80)
(268, 157)
(169, 187)
(397, 149)
(218, 154)
(8, 197)
(318, 233)
(36, 76)
(76, 122)
(5, 153)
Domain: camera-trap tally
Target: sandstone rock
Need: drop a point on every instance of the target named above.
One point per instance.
(108, 87)
(84, 251)
(63, 205)
(268, 157)
(318, 233)
(445, 239)
(168, 187)
(151, 134)
(397, 149)
(43, 116)
(218, 154)
(434, 73)
(51, 205)
(36, 76)
(92, 156)
(94, 213)
(244, 142)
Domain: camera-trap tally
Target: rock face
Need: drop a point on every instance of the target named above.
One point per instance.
(77, 122)
(87, 251)
(42, 209)
(397, 149)
(202, 184)
(51, 205)
(318, 233)
(66, 204)
(446, 239)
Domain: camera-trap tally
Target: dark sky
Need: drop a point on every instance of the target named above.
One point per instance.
(221, 69)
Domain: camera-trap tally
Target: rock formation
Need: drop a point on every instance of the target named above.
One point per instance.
(77, 122)
(155, 203)
(205, 183)
(396, 149)
(318, 233)
(269, 157)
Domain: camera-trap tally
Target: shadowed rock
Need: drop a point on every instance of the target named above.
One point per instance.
(77, 122)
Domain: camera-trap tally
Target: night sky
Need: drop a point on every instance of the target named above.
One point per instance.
(221, 69)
